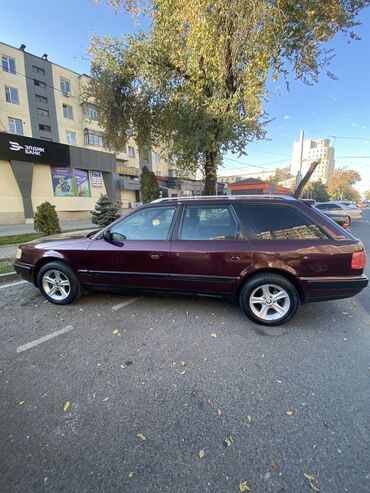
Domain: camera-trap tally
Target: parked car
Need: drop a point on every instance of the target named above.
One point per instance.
(271, 253)
(364, 204)
(341, 219)
(351, 211)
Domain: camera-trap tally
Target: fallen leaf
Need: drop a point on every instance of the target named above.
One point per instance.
(66, 406)
(21, 403)
(345, 339)
(219, 412)
(182, 372)
(289, 413)
(201, 454)
(229, 441)
(213, 334)
(140, 435)
(249, 418)
(183, 363)
(98, 364)
(122, 366)
(130, 474)
(94, 394)
(309, 477)
(262, 355)
(105, 399)
(46, 479)
(243, 486)
(115, 332)
(274, 465)
(314, 487)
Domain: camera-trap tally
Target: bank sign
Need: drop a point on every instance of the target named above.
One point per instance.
(20, 148)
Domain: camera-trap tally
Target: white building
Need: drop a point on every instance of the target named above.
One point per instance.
(261, 175)
(314, 150)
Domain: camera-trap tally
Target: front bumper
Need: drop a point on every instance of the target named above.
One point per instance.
(333, 288)
(25, 271)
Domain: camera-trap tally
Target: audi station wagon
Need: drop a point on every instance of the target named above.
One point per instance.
(269, 253)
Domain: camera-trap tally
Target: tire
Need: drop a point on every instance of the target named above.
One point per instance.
(264, 287)
(62, 277)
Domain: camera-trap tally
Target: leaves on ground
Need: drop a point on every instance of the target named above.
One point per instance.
(213, 334)
(182, 372)
(289, 412)
(105, 399)
(115, 332)
(183, 363)
(201, 454)
(274, 465)
(229, 441)
(309, 476)
(130, 474)
(314, 487)
(140, 435)
(21, 403)
(243, 486)
(249, 418)
(66, 406)
(219, 412)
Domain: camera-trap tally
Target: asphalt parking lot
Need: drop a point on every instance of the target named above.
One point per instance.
(134, 393)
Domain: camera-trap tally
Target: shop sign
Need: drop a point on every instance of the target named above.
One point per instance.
(128, 170)
(96, 179)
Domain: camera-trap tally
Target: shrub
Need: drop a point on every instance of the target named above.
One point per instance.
(149, 188)
(46, 219)
(106, 211)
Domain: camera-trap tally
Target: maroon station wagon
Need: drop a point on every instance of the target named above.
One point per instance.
(270, 253)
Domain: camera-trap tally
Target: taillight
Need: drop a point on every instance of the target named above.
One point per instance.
(345, 225)
(358, 260)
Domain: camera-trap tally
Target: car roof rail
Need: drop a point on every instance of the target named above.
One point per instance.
(224, 197)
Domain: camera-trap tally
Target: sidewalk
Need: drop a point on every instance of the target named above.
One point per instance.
(16, 229)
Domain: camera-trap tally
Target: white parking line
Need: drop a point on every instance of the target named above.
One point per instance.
(12, 284)
(36, 342)
(124, 303)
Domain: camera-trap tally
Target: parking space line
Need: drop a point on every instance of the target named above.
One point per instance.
(124, 303)
(36, 342)
(12, 284)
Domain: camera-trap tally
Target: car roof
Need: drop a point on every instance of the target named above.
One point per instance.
(214, 199)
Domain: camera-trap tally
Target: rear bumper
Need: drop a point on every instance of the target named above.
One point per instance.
(333, 288)
(25, 271)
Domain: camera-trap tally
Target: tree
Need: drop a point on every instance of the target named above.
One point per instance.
(367, 195)
(319, 191)
(106, 211)
(340, 184)
(149, 188)
(46, 220)
(196, 81)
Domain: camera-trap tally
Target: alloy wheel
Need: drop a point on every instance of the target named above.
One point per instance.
(269, 302)
(56, 285)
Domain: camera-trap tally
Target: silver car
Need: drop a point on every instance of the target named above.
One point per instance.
(351, 211)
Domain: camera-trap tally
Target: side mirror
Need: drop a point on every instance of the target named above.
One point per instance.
(107, 235)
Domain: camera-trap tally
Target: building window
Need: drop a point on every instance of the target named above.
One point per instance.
(41, 99)
(39, 83)
(157, 158)
(42, 112)
(38, 70)
(45, 128)
(8, 64)
(67, 111)
(15, 126)
(65, 86)
(93, 138)
(91, 112)
(71, 138)
(11, 95)
(158, 173)
(131, 151)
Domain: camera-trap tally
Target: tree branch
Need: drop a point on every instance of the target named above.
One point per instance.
(304, 181)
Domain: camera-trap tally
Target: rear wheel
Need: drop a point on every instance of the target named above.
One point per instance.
(58, 283)
(269, 299)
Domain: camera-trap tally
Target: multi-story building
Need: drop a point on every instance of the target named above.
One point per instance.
(52, 148)
(258, 174)
(313, 150)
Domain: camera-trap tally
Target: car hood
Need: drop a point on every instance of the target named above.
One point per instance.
(55, 242)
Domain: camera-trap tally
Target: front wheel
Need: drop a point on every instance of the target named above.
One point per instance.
(269, 299)
(58, 283)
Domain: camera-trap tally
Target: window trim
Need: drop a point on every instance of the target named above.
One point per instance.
(240, 228)
(10, 89)
(8, 63)
(64, 79)
(15, 119)
(74, 134)
(156, 206)
(68, 107)
(252, 231)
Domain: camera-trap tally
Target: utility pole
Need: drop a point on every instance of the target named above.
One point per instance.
(301, 140)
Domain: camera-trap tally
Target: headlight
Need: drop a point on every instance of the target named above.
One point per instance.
(18, 255)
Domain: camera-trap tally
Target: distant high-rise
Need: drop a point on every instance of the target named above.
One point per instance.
(313, 150)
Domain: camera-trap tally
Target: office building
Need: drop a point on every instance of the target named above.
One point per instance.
(313, 150)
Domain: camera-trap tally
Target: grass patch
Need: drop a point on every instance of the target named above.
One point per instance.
(5, 268)
(17, 239)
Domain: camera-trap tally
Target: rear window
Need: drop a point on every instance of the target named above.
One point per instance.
(279, 222)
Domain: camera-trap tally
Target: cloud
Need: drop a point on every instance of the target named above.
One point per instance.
(280, 127)
(287, 117)
(354, 124)
(333, 98)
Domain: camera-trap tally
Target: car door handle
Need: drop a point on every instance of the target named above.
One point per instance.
(154, 256)
(235, 257)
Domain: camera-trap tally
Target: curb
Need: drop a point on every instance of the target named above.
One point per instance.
(8, 276)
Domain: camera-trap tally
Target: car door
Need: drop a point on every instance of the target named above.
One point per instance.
(137, 254)
(209, 250)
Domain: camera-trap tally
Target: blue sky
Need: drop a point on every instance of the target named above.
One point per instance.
(332, 108)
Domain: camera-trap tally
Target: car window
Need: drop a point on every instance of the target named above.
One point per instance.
(209, 223)
(152, 223)
(280, 222)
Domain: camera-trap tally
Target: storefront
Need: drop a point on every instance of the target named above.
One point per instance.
(33, 170)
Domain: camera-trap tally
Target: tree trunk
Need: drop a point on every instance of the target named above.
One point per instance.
(210, 169)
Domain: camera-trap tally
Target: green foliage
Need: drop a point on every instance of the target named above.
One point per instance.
(367, 195)
(149, 188)
(46, 220)
(197, 80)
(340, 184)
(106, 211)
(319, 191)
